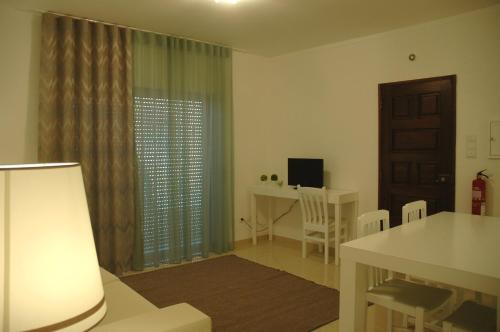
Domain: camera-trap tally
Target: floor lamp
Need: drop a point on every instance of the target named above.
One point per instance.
(49, 269)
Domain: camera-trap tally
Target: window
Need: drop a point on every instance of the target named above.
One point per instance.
(169, 145)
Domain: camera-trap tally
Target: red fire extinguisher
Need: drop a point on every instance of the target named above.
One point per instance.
(479, 194)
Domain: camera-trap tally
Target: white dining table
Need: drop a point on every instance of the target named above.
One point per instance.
(453, 248)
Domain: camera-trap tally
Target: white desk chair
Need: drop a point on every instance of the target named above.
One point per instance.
(471, 317)
(317, 225)
(414, 211)
(420, 301)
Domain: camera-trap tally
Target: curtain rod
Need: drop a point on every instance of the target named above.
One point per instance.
(128, 27)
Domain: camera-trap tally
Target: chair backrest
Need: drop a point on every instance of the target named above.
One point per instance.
(369, 223)
(414, 211)
(314, 207)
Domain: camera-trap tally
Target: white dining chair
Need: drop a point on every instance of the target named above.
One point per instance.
(414, 211)
(417, 300)
(317, 225)
(410, 212)
(471, 317)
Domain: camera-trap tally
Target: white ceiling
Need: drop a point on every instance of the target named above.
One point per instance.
(264, 27)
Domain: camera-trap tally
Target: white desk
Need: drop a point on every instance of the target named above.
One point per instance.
(335, 196)
(452, 248)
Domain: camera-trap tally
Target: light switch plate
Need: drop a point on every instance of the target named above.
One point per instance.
(471, 146)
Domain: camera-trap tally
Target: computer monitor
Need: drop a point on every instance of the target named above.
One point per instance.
(305, 171)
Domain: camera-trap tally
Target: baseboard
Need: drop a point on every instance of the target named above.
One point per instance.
(281, 240)
(245, 243)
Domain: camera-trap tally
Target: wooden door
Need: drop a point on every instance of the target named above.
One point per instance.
(417, 145)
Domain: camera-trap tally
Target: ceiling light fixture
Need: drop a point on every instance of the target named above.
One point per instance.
(232, 2)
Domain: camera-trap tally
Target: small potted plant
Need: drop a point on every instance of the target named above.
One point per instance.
(275, 180)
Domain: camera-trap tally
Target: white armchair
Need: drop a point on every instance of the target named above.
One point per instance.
(129, 311)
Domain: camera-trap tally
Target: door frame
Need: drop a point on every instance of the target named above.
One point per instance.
(453, 80)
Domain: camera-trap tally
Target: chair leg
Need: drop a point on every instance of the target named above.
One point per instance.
(405, 317)
(405, 321)
(389, 320)
(454, 302)
(447, 327)
(320, 248)
(419, 320)
(337, 254)
(304, 248)
(327, 249)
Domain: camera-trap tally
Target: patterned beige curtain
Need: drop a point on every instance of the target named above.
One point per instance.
(86, 115)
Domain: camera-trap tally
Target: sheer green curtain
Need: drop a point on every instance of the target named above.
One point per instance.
(183, 134)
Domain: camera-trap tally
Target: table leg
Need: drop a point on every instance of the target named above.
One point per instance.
(353, 284)
(354, 228)
(253, 217)
(498, 313)
(338, 220)
(270, 217)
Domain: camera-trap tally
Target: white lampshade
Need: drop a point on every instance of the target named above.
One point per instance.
(49, 269)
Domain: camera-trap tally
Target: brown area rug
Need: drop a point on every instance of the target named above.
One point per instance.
(240, 295)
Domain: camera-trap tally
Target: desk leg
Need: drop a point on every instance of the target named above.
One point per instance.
(253, 217)
(338, 220)
(270, 217)
(353, 283)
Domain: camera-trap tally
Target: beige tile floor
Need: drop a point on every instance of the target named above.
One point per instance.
(282, 255)
(286, 255)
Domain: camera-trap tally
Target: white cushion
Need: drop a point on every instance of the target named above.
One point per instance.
(107, 277)
(123, 302)
(180, 317)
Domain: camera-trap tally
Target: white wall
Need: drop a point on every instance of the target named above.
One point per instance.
(320, 102)
(19, 54)
(19, 68)
(324, 103)
(251, 95)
